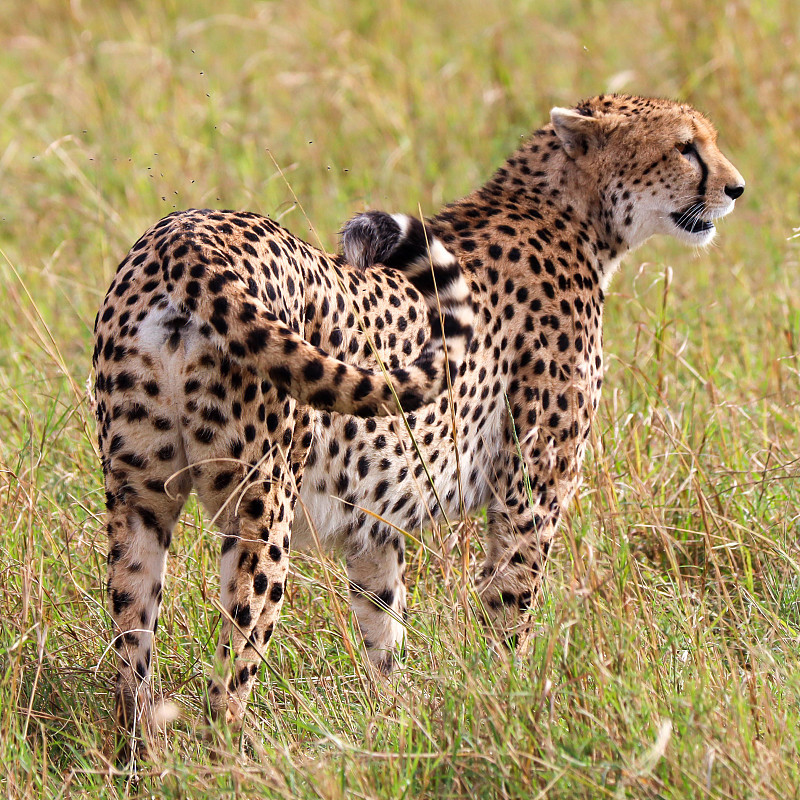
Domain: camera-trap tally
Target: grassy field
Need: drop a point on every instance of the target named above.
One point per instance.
(667, 657)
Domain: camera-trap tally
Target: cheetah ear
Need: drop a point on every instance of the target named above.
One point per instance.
(578, 134)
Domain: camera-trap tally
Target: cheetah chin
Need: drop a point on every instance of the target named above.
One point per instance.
(697, 222)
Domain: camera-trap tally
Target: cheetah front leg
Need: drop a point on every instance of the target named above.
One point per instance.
(377, 591)
(534, 482)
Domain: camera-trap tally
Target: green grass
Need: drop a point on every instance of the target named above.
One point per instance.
(667, 657)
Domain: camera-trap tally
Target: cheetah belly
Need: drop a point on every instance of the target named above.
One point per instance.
(393, 487)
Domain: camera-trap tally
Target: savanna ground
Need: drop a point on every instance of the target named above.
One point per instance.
(667, 656)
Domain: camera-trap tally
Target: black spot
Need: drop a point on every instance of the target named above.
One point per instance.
(204, 435)
(133, 460)
(276, 592)
(281, 375)
(324, 398)
(214, 414)
(242, 615)
(125, 381)
(313, 370)
(222, 480)
(120, 600)
(255, 508)
(166, 453)
(382, 600)
(363, 388)
(136, 412)
(250, 392)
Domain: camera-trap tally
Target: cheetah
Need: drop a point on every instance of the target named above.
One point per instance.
(236, 360)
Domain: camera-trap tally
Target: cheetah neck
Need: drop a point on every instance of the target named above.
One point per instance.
(540, 186)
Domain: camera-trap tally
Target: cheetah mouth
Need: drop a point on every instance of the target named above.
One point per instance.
(689, 219)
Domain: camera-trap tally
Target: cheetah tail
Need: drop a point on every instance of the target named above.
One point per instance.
(243, 326)
(406, 244)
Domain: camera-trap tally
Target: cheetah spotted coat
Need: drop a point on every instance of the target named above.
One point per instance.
(234, 359)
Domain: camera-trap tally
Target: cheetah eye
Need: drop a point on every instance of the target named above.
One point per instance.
(684, 148)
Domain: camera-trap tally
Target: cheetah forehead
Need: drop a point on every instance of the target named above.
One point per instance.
(686, 119)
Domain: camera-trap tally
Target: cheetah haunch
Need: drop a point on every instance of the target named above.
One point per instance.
(234, 359)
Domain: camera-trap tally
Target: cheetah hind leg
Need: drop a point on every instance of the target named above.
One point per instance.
(253, 569)
(254, 513)
(140, 528)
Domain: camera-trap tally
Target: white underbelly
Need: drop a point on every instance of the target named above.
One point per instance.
(323, 519)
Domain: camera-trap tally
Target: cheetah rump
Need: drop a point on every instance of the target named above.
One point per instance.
(236, 360)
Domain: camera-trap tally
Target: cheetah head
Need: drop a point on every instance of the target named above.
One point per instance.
(655, 165)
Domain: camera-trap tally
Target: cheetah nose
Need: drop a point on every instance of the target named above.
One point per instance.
(734, 190)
